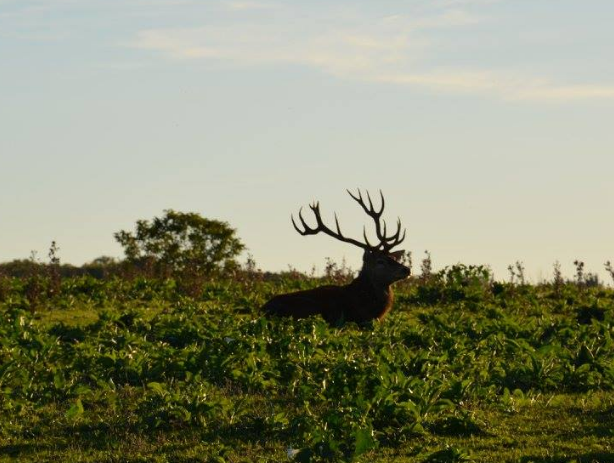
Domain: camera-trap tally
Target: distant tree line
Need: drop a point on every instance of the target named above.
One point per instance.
(189, 247)
(175, 244)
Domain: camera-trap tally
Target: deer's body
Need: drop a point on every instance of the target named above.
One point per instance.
(359, 301)
(369, 296)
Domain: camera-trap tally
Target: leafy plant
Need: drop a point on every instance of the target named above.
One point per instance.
(178, 241)
(149, 362)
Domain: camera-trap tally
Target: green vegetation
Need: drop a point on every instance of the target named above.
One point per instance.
(463, 369)
(165, 356)
(181, 243)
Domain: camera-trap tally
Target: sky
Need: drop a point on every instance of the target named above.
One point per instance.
(487, 124)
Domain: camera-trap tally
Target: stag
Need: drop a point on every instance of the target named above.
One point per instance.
(369, 296)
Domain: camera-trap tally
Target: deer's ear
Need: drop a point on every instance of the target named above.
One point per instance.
(396, 255)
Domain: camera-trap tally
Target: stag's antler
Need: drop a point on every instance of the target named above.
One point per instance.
(386, 243)
(320, 227)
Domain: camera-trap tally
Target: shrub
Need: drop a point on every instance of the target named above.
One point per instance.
(181, 243)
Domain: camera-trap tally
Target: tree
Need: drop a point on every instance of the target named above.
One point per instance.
(181, 242)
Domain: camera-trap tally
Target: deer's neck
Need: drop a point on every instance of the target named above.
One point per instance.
(375, 297)
(365, 279)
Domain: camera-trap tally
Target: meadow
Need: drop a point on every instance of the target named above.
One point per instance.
(463, 369)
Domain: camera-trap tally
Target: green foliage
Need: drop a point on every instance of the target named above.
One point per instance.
(157, 363)
(456, 283)
(20, 268)
(178, 242)
(449, 455)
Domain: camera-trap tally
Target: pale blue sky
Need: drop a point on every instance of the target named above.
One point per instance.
(487, 124)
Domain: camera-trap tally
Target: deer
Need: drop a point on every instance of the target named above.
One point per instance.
(369, 296)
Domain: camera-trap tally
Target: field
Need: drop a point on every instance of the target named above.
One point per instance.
(462, 369)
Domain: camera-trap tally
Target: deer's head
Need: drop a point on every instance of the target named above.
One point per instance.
(380, 264)
(384, 268)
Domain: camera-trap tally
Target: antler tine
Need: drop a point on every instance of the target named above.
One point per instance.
(395, 239)
(307, 229)
(359, 199)
(315, 207)
(364, 234)
(320, 227)
(374, 214)
(370, 209)
(337, 225)
(294, 224)
(396, 234)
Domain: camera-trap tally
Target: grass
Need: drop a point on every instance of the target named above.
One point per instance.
(461, 370)
(547, 428)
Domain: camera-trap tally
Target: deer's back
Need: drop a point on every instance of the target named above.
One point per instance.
(327, 301)
(334, 303)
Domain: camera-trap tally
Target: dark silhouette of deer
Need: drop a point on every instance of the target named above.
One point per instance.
(367, 297)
